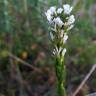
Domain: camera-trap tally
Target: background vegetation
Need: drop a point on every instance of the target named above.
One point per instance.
(26, 64)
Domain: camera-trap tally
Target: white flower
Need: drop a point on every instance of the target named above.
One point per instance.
(49, 17)
(59, 27)
(59, 10)
(64, 51)
(67, 8)
(65, 38)
(71, 20)
(51, 35)
(49, 13)
(58, 21)
(57, 50)
(52, 10)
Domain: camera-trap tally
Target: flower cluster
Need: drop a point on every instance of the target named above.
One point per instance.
(61, 21)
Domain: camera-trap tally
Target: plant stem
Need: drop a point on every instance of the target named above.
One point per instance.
(60, 73)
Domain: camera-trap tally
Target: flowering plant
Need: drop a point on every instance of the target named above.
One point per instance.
(61, 22)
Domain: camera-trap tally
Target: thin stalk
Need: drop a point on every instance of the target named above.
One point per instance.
(6, 14)
(25, 9)
(25, 6)
(61, 77)
(60, 2)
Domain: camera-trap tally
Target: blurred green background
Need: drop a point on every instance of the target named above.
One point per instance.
(26, 63)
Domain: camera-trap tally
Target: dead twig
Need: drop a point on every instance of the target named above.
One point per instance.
(24, 63)
(85, 79)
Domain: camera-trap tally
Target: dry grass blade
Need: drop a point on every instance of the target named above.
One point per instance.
(85, 79)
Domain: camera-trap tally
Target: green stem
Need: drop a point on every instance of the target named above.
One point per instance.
(60, 89)
(60, 73)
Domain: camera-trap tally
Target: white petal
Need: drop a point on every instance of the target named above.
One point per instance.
(67, 8)
(59, 10)
(62, 33)
(56, 48)
(65, 38)
(59, 50)
(54, 52)
(64, 51)
(58, 21)
(70, 27)
(49, 17)
(71, 20)
(52, 10)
